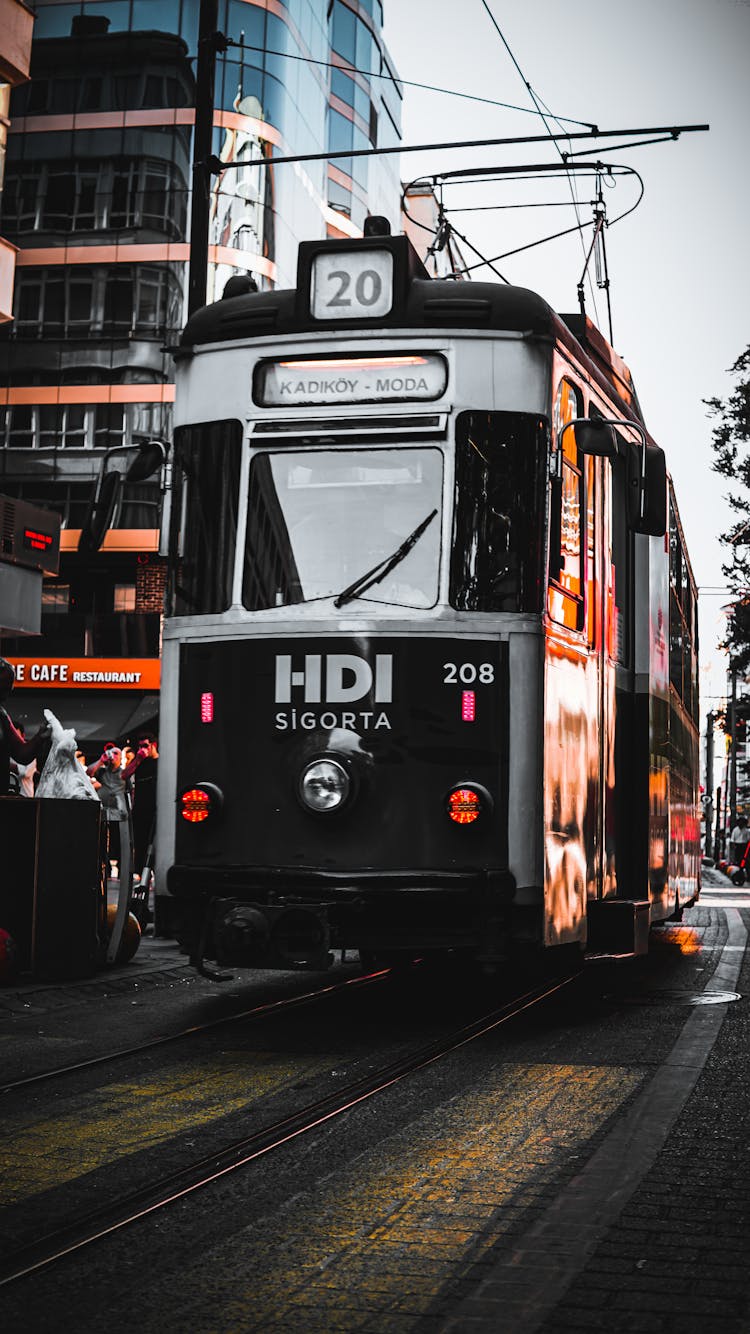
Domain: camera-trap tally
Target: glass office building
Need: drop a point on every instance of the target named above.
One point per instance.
(97, 200)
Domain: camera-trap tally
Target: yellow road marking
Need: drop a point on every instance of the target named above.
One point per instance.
(124, 1118)
(415, 1210)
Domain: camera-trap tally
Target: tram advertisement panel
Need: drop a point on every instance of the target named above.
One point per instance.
(406, 720)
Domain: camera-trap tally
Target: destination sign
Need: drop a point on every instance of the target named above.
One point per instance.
(332, 380)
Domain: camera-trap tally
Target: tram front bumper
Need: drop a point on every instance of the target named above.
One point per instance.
(293, 919)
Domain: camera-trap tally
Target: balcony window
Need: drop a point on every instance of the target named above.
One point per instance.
(21, 428)
(118, 303)
(109, 425)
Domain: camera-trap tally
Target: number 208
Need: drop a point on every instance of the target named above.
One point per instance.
(466, 673)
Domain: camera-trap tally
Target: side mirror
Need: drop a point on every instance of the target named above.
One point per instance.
(101, 511)
(647, 489)
(594, 436)
(646, 469)
(148, 460)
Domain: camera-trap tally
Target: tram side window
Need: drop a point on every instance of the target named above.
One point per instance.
(203, 529)
(622, 556)
(683, 645)
(496, 562)
(565, 599)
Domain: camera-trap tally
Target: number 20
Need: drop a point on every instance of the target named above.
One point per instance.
(367, 288)
(466, 673)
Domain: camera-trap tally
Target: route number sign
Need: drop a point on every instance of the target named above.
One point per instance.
(351, 285)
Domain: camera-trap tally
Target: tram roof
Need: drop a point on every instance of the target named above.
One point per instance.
(431, 303)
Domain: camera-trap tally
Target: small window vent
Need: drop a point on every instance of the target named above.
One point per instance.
(433, 424)
(464, 310)
(250, 319)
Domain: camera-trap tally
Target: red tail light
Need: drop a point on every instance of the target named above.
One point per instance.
(196, 805)
(464, 805)
(202, 802)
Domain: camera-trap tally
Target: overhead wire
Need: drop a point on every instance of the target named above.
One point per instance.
(450, 228)
(579, 227)
(499, 208)
(538, 105)
(533, 171)
(406, 83)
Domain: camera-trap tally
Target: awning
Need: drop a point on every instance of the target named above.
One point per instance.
(95, 716)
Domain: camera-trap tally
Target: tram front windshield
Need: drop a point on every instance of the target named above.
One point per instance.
(320, 519)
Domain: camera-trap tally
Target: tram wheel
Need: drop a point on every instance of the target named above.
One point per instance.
(561, 960)
(676, 916)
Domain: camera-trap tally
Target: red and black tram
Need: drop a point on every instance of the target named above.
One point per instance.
(430, 658)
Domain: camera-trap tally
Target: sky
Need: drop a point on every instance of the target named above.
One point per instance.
(678, 268)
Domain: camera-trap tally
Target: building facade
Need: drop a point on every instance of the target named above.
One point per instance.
(16, 29)
(97, 203)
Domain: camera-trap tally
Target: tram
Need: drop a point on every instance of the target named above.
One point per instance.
(430, 653)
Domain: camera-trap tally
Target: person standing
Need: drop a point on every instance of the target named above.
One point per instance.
(13, 744)
(143, 770)
(738, 841)
(107, 776)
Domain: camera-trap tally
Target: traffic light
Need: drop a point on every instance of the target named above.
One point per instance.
(740, 731)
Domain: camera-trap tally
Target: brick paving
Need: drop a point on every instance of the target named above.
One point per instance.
(678, 1259)
(675, 1259)
(672, 1259)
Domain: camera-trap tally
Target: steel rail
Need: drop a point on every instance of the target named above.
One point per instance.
(141, 1204)
(258, 1011)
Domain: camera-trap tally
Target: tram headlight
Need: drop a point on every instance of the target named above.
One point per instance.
(324, 785)
(467, 802)
(200, 802)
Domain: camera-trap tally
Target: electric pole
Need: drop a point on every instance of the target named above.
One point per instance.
(709, 784)
(209, 41)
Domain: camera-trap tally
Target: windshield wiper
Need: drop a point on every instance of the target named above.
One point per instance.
(383, 567)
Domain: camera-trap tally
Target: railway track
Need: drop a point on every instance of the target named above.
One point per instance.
(194, 1030)
(158, 1194)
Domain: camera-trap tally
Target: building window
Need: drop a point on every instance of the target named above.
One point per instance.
(21, 427)
(117, 299)
(55, 599)
(89, 196)
(109, 425)
(124, 597)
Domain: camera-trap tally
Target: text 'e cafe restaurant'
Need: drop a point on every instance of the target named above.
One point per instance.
(102, 699)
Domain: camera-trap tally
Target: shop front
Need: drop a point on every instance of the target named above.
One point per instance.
(101, 699)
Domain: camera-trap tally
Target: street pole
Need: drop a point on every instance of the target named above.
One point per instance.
(733, 749)
(709, 784)
(718, 840)
(202, 145)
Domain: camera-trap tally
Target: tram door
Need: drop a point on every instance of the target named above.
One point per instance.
(579, 684)
(602, 637)
(609, 641)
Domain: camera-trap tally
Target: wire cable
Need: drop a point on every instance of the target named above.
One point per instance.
(446, 227)
(567, 231)
(407, 83)
(538, 104)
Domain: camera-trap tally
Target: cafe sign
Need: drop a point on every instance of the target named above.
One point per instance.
(87, 673)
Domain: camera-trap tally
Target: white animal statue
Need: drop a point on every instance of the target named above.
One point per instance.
(62, 775)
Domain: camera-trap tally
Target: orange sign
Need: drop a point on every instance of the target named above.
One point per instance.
(88, 673)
